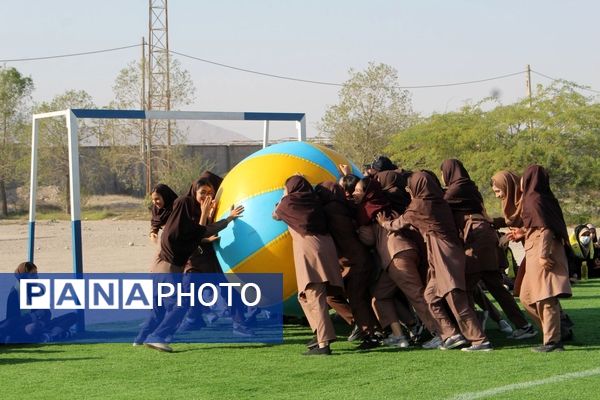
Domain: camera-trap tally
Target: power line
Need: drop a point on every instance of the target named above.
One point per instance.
(250, 71)
(290, 78)
(70, 54)
(576, 84)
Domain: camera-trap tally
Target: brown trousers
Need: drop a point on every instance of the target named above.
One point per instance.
(494, 284)
(359, 297)
(314, 304)
(546, 314)
(458, 303)
(402, 274)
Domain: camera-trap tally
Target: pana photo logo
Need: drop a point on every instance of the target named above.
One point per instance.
(127, 294)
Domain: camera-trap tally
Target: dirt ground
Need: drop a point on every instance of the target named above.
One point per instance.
(108, 246)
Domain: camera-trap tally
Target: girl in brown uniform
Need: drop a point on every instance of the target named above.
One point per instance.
(315, 257)
(183, 232)
(400, 258)
(354, 259)
(480, 239)
(429, 213)
(546, 276)
(162, 204)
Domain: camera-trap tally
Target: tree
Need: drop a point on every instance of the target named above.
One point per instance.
(560, 130)
(53, 139)
(371, 109)
(15, 91)
(127, 133)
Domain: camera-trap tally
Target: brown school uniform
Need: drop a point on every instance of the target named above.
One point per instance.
(353, 257)
(541, 288)
(479, 237)
(400, 259)
(432, 217)
(547, 276)
(315, 257)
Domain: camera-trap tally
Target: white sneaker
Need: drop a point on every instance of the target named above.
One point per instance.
(505, 327)
(160, 347)
(396, 341)
(433, 343)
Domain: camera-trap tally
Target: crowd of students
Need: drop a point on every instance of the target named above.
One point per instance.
(412, 254)
(399, 255)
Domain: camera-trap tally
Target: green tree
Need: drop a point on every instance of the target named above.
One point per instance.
(560, 130)
(370, 110)
(53, 150)
(15, 91)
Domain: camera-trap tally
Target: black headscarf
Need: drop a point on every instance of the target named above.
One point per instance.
(161, 215)
(301, 209)
(461, 194)
(540, 208)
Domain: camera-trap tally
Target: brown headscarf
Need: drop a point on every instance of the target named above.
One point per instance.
(540, 207)
(461, 194)
(393, 184)
(373, 203)
(301, 208)
(428, 211)
(509, 183)
(161, 215)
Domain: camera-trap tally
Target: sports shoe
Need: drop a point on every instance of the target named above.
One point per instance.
(434, 343)
(485, 346)
(415, 331)
(528, 331)
(549, 347)
(369, 342)
(453, 342)
(505, 327)
(242, 330)
(355, 334)
(396, 341)
(312, 342)
(160, 347)
(318, 351)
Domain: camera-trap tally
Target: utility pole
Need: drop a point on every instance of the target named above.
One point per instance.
(143, 148)
(159, 86)
(528, 85)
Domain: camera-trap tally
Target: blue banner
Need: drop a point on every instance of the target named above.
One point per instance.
(141, 308)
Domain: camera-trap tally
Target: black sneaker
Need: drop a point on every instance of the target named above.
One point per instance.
(368, 342)
(318, 351)
(312, 342)
(549, 347)
(355, 334)
(453, 342)
(485, 346)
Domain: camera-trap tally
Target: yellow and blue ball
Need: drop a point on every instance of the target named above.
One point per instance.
(257, 243)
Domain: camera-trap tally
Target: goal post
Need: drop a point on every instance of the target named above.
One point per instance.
(72, 116)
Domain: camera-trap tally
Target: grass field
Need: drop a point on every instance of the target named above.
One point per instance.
(199, 371)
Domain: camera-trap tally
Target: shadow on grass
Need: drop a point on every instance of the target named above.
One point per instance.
(12, 361)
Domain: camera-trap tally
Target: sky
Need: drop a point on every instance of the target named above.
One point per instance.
(428, 42)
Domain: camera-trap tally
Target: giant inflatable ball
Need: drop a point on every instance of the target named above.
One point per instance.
(256, 243)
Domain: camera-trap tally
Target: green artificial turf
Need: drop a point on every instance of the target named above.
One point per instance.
(236, 371)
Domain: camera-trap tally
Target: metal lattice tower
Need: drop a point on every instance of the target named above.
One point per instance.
(159, 90)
